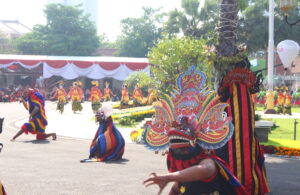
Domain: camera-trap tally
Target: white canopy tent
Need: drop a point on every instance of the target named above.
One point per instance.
(71, 67)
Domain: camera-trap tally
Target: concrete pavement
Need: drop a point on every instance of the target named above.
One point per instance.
(52, 167)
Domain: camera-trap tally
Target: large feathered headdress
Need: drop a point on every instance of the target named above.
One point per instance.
(191, 114)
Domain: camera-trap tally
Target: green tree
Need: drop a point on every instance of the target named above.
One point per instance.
(173, 56)
(67, 32)
(144, 79)
(193, 20)
(253, 28)
(139, 34)
(105, 43)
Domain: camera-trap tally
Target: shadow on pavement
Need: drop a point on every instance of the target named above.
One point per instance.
(122, 161)
(37, 141)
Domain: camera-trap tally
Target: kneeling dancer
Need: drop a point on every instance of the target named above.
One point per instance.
(108, 143)
(34, 102)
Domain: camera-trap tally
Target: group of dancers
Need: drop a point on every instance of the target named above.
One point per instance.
(76, 95)
(212, 147)
(283, 99)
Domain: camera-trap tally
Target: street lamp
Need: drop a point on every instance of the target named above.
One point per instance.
(286, 6)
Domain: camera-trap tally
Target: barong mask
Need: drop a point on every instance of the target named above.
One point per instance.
(191, 115)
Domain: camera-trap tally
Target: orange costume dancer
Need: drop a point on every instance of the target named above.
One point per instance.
(76, 95)
(125, 95)
(152, 95)
(287, 102)
(95, 96)
(107, 92)
(280, 101)
(61, 95)
(138, 98)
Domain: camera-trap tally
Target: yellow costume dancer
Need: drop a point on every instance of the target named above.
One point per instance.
(152, 96)
(95, 96)
(125, 95)
(60, 94)
(76, 95)
(137, 96)
(107, 92)
(280, 101)
(287, 102)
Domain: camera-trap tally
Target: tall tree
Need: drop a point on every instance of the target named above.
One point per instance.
(194, 20)
(139, 34)
(253, 29)
(67, 32)
(227, 47)
(105, 43)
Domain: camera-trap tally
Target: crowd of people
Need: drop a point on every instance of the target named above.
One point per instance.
(11, 93)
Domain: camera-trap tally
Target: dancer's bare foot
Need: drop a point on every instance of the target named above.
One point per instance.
(12, 140)
(54, 136)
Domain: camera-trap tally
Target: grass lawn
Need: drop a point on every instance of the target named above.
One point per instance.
(284, 129)
(294, 109)
(133, 125)
(282, 142)
(283, 133)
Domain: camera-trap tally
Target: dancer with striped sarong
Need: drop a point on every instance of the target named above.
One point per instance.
(108, 143)
(34, 102)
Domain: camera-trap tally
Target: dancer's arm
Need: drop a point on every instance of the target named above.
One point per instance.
(204, 170)
(24, 103)
(34, 111)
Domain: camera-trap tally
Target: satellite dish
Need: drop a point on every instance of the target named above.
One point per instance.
(287, 51)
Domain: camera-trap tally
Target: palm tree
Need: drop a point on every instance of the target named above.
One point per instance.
(227, 42)
(227, 28)
(194, 21)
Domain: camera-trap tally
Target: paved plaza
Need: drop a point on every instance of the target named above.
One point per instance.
(52, 167)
